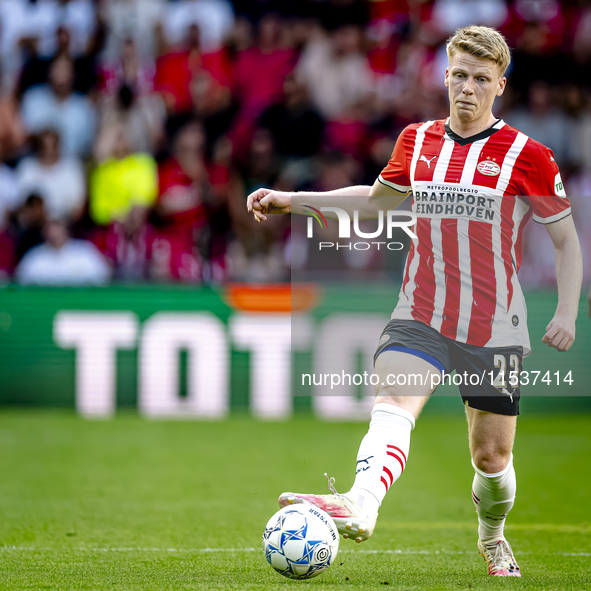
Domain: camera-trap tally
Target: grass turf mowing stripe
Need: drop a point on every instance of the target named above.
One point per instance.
(238, 550)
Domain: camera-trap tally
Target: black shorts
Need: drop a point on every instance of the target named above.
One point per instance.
(477, 365)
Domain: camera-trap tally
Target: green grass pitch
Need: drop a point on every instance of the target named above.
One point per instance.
(133, 504)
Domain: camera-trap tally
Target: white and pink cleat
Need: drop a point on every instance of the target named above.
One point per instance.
(351, 522)
(499, 558)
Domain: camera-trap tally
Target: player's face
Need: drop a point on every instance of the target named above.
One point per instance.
(473, 84)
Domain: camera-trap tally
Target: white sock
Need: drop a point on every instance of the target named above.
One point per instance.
(382, 456)
(493, 496)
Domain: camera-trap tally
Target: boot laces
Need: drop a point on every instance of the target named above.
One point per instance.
(503, 556)
(331, 486)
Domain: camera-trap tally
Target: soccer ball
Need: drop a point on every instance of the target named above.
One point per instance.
(300, 541)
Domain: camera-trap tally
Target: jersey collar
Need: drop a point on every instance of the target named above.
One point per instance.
(464, 141)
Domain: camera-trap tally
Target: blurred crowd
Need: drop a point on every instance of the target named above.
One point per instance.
(131, 131)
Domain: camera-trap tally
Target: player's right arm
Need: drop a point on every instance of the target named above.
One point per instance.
(368, 201)
(389, 190)
(266, 201)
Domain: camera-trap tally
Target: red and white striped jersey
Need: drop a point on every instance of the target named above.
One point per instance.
(472, 197)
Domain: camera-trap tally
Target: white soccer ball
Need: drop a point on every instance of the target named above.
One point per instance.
(301, 541)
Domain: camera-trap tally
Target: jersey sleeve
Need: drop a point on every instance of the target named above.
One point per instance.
(396, 173)
(546, 193)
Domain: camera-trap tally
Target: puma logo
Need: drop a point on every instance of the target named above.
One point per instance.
(363, 468)
(510, 394)
(428, 162)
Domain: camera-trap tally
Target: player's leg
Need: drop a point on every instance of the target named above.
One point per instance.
(492, 409)
(408, 362)
(384, 450)
(493, 489)
(491, 442)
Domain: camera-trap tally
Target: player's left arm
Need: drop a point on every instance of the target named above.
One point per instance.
(560, 333)
(551, 207)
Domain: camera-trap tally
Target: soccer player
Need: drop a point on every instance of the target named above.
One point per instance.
(475, 182)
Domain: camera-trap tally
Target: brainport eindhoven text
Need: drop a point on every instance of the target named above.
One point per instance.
(426, 204)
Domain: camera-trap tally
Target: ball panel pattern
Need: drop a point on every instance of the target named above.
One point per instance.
(300, 542)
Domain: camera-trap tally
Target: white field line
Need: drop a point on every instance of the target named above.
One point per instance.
(469, 525)
(245, 550)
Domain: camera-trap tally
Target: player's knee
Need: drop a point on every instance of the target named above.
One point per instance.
(389, 393)
(392, 396)
(491, 461)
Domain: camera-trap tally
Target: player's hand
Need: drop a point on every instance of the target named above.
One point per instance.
(560, 333)
(266, 201)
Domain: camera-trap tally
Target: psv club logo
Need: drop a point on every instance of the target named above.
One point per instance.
(489, 168)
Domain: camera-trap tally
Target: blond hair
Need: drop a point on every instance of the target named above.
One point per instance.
(484, 42)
